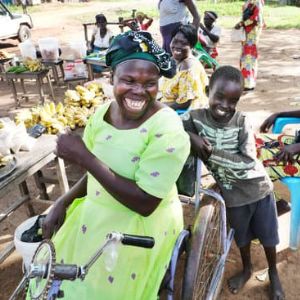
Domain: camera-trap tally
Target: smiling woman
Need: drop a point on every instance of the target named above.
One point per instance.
(133, 151)
(186, 90)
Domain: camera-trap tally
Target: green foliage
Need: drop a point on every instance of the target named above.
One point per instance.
(229, 11)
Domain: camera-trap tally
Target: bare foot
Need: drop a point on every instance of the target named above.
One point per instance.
(275, 285)
(236, 282)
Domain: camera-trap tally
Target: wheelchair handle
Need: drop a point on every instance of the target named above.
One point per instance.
(138, 241)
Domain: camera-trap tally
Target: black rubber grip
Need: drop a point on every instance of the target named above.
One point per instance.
(138, 241)
(66, 272)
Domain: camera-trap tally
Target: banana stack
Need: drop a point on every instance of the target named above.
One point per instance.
(79, 105)
(33, 65)
(4, 160)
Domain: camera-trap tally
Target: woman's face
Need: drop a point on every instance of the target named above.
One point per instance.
(180, 47)
(223, 99)
(135, 87)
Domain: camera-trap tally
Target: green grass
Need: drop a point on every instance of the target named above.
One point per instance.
(275, 16)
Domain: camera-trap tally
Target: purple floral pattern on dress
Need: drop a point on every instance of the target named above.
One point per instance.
(133, 276)
(83, 229)
(155, 174)
(110, 279)
(108, 137)
(143, 130)
(158, 135)
(170, 149)
(97, 193)
(135, 159)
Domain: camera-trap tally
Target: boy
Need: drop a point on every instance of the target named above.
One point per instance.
(221, 137)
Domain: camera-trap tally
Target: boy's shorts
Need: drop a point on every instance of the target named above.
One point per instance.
(255, 220)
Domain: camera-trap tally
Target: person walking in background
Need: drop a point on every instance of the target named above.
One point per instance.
(173, 13)
(252, 21)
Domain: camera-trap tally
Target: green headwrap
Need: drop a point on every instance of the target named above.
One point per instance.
(139, 45)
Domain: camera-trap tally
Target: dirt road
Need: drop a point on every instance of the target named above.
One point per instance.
(278, 89)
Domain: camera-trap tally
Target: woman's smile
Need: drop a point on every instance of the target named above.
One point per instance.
(134, 105)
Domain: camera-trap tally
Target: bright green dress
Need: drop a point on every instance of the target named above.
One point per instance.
(152, 155)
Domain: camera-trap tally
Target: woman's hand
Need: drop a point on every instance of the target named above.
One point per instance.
(288, 152)
(238, 25)
(268, 123)
(201, 146)
(71, 147)
(54, 219)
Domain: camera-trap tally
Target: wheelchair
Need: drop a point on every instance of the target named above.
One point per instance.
(202, 247)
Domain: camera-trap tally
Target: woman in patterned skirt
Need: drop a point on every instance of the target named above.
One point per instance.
(252, 21)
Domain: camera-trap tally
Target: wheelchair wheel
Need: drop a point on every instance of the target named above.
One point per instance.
(204, 253)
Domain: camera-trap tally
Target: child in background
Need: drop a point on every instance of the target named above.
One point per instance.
(141, 17)
(223, 140)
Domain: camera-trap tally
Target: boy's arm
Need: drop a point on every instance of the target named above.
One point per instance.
(200, 146)
(245, 159)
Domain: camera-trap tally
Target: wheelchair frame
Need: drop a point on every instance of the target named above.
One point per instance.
(193, 243)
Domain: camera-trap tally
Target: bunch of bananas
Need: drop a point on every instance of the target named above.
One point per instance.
(5, 159)
(89, 96)
(33, 65)
(4, 54)
(79, 105)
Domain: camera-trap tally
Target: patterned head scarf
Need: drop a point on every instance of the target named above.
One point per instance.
(139, 45)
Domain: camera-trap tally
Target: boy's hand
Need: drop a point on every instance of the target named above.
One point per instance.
(201, 146)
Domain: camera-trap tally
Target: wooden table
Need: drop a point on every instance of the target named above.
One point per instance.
(96, 62)
(54, 65)
(28, 164)
(37, 76)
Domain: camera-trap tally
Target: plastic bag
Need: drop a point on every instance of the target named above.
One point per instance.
(19, 137)
(6, 135)
(238, 35)
(186, 182)
(75, 69)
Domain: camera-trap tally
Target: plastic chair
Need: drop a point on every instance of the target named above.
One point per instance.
(293, 184)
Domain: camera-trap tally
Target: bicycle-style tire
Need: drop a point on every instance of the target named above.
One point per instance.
(204, 252)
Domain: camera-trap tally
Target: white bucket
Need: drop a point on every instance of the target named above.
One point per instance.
(27, 250)
(27, 49)
(49, 48)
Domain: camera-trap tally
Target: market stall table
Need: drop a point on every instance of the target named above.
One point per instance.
(37, 76)
(95, 61)
(55, 65)
(28, 164)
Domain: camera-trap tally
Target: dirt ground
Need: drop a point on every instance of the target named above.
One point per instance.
(278, 89)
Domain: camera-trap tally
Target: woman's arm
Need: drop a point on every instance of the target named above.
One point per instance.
(269, 122)
(194, 12)
(124, 190)
(56, 216)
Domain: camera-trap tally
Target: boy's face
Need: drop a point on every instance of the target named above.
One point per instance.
(223, 98)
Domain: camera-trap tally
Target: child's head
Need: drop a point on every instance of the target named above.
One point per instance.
(209, 18)
(225, 89)
(101, 21)
(140, 16)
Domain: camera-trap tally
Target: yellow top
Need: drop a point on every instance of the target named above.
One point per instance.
(186, 85)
